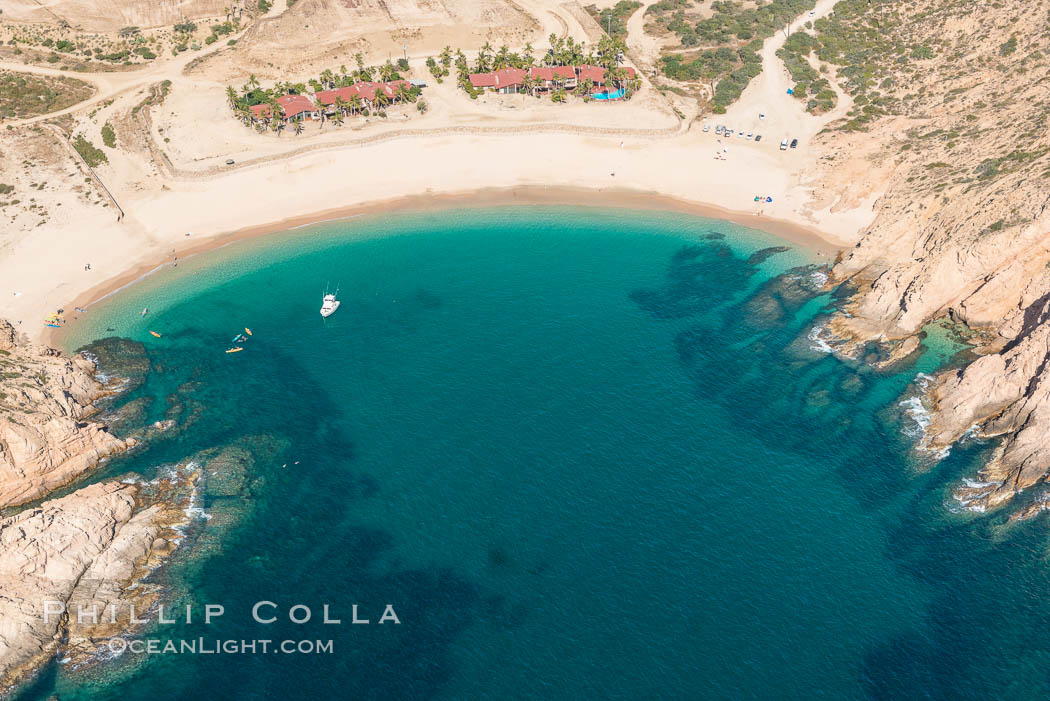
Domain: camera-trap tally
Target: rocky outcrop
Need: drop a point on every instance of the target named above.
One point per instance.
(962, 227)
(86, 551)
(46, 437)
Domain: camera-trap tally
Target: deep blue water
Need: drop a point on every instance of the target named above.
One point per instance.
(584, 454)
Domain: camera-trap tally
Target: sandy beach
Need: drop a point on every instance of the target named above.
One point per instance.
(48, 269)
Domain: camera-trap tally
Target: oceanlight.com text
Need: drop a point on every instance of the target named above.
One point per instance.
(211, 646)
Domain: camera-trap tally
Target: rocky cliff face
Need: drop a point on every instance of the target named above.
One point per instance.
(86, 551)
(952, 115)
(46, 437)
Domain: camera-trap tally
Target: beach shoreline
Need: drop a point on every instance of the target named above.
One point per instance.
(823, 244)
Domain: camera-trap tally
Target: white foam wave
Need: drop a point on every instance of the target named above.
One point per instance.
(819, 344)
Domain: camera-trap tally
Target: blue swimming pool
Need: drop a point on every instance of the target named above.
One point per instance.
(608, 95)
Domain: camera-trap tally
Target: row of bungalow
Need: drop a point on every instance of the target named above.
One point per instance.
(545, 78)
(312, 105)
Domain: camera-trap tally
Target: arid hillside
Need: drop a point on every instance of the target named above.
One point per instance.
(112, 15)
(950, 119)
(322, 32)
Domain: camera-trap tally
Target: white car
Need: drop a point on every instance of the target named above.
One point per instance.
(749, 135)
(784, 145)
(707, 128)
(741, 134)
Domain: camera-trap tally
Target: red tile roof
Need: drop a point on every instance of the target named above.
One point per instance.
(597, 73)
(260, 111)
(483, 80)
(366, 91)
(327, 97)
(293, 105)
(552, 72)
(503, 78)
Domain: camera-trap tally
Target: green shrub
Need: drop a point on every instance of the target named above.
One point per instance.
(109, 137)
(92, 155)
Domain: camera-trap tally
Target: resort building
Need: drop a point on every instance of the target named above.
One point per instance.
(596, 74)
(504, 81)
(548, 77)
(359, 96)
(298, 107)
(545, 78)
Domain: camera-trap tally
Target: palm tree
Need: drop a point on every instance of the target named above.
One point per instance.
(381, 100)
(360, 61)
(528, 84)
(483, 58)
(356, 103)
(298, 127)
(404, 93)
(387, 71)
(327, 78)
(502, 58)
(340, 106)
(231, 96)
(446, 56)
(526, 54)
(253, 81)
(338, 119)
(276, 124)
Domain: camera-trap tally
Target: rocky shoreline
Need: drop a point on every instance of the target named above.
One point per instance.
(91, 548)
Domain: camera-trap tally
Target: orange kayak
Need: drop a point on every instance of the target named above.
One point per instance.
(234, 350)
(155, 334)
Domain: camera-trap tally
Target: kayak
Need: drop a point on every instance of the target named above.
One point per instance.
(234, 350)
(247, 331)
(238, 338)
(154, 333)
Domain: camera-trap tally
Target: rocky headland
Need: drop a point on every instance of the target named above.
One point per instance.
(47, 437)
(92, 548)
(950, 125)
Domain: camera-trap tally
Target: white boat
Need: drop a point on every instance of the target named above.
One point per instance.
(328, 305)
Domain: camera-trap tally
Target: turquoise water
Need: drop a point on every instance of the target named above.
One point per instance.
(584, 453)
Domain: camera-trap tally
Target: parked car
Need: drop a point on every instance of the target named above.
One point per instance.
(750, 134)
(707, 128)
(758, 137)
(728, 132)
(229, 161)
(794, 143)
(784, 145)
(719, 129)
(741, 134)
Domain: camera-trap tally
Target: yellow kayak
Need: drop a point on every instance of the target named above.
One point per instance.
(154, 333)
(234, 350)
(247, 331)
